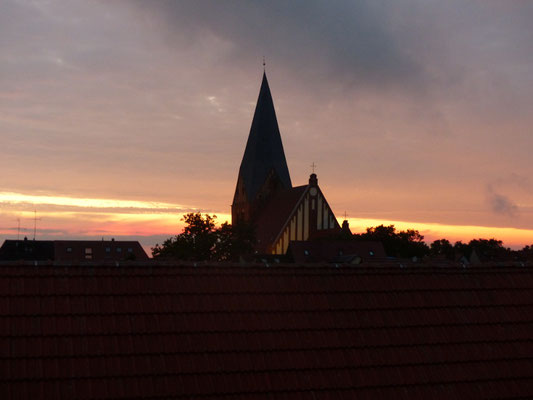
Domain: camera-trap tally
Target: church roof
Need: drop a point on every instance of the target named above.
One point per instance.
(264, 149)
(174, 331)
(276, 213)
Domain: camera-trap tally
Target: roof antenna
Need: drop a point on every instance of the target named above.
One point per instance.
(18, 228)
(35, 219)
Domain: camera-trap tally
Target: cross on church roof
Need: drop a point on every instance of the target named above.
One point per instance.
(313, 166)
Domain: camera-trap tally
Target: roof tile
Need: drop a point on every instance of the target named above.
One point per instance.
(253, 332)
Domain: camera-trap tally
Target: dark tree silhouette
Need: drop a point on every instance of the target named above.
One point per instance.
(485, 249)
(490, 249)
(195, 243)
(234, 241)
(409, 243)
(443, 248)
(201, 240)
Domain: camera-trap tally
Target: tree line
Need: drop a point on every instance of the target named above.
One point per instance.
(410, 243)
(202, 240)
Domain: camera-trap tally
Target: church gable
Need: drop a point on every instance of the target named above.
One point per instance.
(311, 218)
(264, 195)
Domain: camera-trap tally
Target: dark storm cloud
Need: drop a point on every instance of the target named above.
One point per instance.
(474, 50)
(351, 41)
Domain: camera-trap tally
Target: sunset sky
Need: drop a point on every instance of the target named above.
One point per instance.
(116, 117)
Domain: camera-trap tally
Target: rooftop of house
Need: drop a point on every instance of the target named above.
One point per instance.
(70, 250)
(248, 332)
(336, 251)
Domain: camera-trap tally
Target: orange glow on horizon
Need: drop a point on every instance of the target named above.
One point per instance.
(62, 216)
(511, 237)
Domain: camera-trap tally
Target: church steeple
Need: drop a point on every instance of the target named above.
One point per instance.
(263, 163)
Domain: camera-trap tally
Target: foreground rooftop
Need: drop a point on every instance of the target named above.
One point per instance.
(151, 331)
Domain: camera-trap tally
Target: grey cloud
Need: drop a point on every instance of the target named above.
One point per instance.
(500, 204)
(440, 49)
(351, 41)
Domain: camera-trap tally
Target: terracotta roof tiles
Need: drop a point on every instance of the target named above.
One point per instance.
(157, 332)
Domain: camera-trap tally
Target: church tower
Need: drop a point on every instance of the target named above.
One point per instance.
(263, 171)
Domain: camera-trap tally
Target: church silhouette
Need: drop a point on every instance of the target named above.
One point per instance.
(264, 195)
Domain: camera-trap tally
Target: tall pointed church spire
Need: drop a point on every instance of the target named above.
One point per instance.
(264, 158)
(264, 150)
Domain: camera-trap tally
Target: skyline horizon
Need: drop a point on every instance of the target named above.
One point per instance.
(118, 118)
(430, 230)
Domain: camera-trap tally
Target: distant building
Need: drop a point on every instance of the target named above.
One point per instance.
(71, 250)
(264, 194)
(336, 251)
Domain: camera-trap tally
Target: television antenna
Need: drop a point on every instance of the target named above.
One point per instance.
(35, 219)
(18, 228)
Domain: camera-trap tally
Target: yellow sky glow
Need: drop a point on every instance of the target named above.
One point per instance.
(512, 237)
(17, 198)
(95, 216)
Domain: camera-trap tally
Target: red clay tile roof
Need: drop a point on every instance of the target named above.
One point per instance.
(159, 332)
